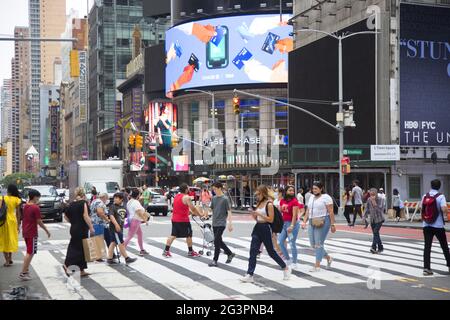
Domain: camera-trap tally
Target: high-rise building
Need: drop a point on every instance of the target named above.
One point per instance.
(47, 20)
(49, 94)
(111, 25)
(20, 85)
(6, 118)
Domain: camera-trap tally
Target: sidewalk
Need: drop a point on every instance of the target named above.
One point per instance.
(340, 219)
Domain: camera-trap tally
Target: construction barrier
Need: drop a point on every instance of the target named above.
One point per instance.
(418, 210)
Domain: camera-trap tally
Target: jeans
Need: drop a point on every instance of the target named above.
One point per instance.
(218, 243)
(376, 236)
(429, 233)
(357, 211)
(317, 238)
(135, 227)
(282, 237)
(347, 211)
(101, 230)
(262, 233)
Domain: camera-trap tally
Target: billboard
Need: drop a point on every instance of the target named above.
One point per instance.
(247, 49)
(181, 163)
(162, 119)
(54, 131)
(424, 75)
(83, 86)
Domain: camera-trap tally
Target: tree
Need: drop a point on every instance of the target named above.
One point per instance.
(20, 179)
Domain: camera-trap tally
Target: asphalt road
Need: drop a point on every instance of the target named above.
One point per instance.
(354, 274)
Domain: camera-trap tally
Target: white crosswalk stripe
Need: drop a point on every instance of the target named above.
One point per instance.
(183, 277)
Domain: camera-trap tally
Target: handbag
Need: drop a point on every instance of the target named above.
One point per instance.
(317, 222)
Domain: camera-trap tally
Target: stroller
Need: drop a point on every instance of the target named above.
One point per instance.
(208, 236)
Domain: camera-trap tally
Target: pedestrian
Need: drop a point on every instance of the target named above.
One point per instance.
(357, 196)
(262, 233)
(321, 219)
(300, 197)
(275, 197)
(99, 217)
(146, 196)
(9, 231)
(77, 214)
(375, 209)
(117, 215)
(397, 204)
(382, 195)
(221, 208)
(348, 201)
(181, 225)
(206, 199)
(30, 220)
(136, 215)
(434, 208)
(291, 209)
(93, 194)
(307, 197)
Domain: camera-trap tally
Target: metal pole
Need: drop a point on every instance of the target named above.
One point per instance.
(213, 110)
(156, 161)
(341, 126)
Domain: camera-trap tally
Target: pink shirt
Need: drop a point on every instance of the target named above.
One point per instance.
(287, 208)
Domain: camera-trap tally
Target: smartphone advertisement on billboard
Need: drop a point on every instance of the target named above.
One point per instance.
(226, 51)
(424, 75)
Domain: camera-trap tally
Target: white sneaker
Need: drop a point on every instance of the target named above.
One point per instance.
(247, 278)
(314, 269)
(287, 274)
(294, 266)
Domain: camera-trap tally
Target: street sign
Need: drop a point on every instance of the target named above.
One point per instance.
(353, 152)
(385, 152)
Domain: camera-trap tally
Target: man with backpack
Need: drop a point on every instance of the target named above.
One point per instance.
(434, 207)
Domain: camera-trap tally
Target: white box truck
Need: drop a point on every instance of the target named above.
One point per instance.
(105, 176)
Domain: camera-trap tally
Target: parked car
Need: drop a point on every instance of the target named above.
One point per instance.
(51, 202)
(158, 203)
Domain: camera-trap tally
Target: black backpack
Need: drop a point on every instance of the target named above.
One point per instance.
(3, 212)
(277, 224)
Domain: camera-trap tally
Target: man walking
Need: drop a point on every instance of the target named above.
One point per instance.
(220, 206)
(357, 197)
(146, 195)
(434, 207)
(181, 225)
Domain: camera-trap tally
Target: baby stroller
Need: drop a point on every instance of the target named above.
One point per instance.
(208, 236)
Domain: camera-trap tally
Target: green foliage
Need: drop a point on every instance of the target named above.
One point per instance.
(20, 179)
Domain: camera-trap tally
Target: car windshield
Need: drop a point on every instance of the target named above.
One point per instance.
(103, 187)
(157, 191)
(45, 191)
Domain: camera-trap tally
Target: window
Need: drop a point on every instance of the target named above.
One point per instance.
(414, 187)
(249, 117)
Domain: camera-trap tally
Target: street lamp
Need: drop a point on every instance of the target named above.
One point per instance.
(340, 115)
(213, 103)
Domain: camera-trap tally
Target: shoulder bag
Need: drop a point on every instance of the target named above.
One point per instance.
(316, 222)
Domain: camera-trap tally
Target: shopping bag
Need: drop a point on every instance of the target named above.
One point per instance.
(403, 213)
(94, 248)
(391, 214)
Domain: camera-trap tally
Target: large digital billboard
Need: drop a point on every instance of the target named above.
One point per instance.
(247, 49)
(424, 75)
(162, 120)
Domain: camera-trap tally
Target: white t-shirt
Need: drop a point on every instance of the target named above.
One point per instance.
(133, 205)
(318, 206)
(300, 198)
(357, 194)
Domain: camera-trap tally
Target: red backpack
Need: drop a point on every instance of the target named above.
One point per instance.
(430, 210)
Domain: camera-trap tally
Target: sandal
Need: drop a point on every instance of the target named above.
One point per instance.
(65, 271)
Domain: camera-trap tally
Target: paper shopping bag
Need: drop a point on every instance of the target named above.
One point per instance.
(94, 248)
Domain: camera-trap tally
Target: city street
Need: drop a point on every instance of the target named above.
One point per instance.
(154, 277)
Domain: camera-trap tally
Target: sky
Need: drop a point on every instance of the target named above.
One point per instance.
(15, 13)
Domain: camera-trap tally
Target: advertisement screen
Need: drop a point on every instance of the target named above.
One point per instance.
(162, 118)
(181, 163)
(226, 51)
(424, 75)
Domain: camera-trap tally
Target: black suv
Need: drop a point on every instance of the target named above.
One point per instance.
(51, 203)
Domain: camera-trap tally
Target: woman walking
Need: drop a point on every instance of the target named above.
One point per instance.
(396, 204)
(77, 214)
(348, 204)
(321, 216)
(137, 215)
(262, 233)
(291, 210)
(375, 209)
(9, 231)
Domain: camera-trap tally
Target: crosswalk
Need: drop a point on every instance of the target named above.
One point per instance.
(155, 277)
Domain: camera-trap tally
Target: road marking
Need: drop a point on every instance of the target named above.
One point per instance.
(325, 275)
(52, 277)
(441, 290)
(177, 282)
(224, 277)
(419, 246)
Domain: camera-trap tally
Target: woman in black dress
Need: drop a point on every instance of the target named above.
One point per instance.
(77, 214)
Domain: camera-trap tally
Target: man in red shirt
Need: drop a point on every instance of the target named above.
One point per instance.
(291, 210)
(181, 225)
(31, 219)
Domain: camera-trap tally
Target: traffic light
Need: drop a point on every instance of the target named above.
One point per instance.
(132, 140)
(236, 105)
(139, 141)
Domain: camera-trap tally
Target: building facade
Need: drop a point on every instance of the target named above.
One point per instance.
(6, 118)
(111, 25)
(49, 94)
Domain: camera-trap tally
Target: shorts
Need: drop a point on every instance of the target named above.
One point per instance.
(32, 244)
(181, 229)
(116, 237)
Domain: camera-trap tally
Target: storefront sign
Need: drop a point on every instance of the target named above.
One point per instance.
(54, 131)
(385, 153)
(117, 128)
(137, 106)
(83, 87)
